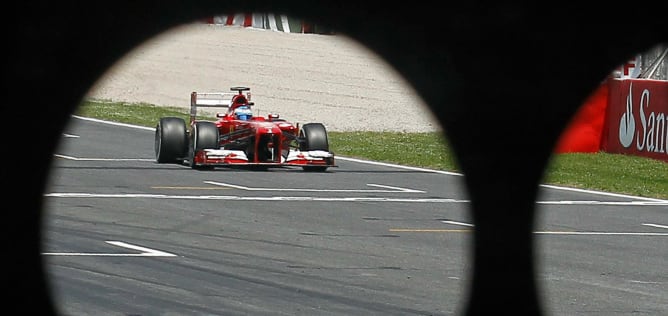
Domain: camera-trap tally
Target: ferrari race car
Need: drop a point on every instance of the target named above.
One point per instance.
(237, 138)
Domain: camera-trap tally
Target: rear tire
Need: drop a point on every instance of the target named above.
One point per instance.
(205, 135)
(170, 140)
(314, 137)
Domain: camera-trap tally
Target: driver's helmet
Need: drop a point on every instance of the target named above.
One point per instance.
(243, 113)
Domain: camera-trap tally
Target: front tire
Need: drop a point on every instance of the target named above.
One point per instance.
(313, 137)
(170, 140)
(205, 135)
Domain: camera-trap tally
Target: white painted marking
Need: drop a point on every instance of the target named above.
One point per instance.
(114, 123)
(543, 185)
(102, 159)
(397, 166)
(601, 233)
(641, 234)
(603, 193)
(145, 252)
(70, 136)
(644, 282)
(457, 223)
(394, 189)
(657, 225)
(152, 129)
(618, 203)
(332, 199)
(575, 232)
(252, 198)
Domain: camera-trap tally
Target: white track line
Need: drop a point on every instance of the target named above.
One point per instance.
(656, 225)
(393, 189)
(410, 168)
(145, 252)
(102, 159)
(457, 223)
(329, 199)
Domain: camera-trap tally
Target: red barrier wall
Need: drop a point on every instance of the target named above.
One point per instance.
(584, 132)
(636, 120)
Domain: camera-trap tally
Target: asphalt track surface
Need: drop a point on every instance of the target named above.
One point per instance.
(124, 235)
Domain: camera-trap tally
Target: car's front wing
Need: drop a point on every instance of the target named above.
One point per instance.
(225, 157)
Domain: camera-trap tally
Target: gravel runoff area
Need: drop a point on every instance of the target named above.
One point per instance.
(304, 78)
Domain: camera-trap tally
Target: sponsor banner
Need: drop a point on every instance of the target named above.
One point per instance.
(637, 118)
(238, 19)
(268, 21)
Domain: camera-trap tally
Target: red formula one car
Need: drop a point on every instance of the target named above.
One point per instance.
(237, 138)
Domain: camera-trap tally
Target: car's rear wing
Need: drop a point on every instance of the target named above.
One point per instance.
(218, 100)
